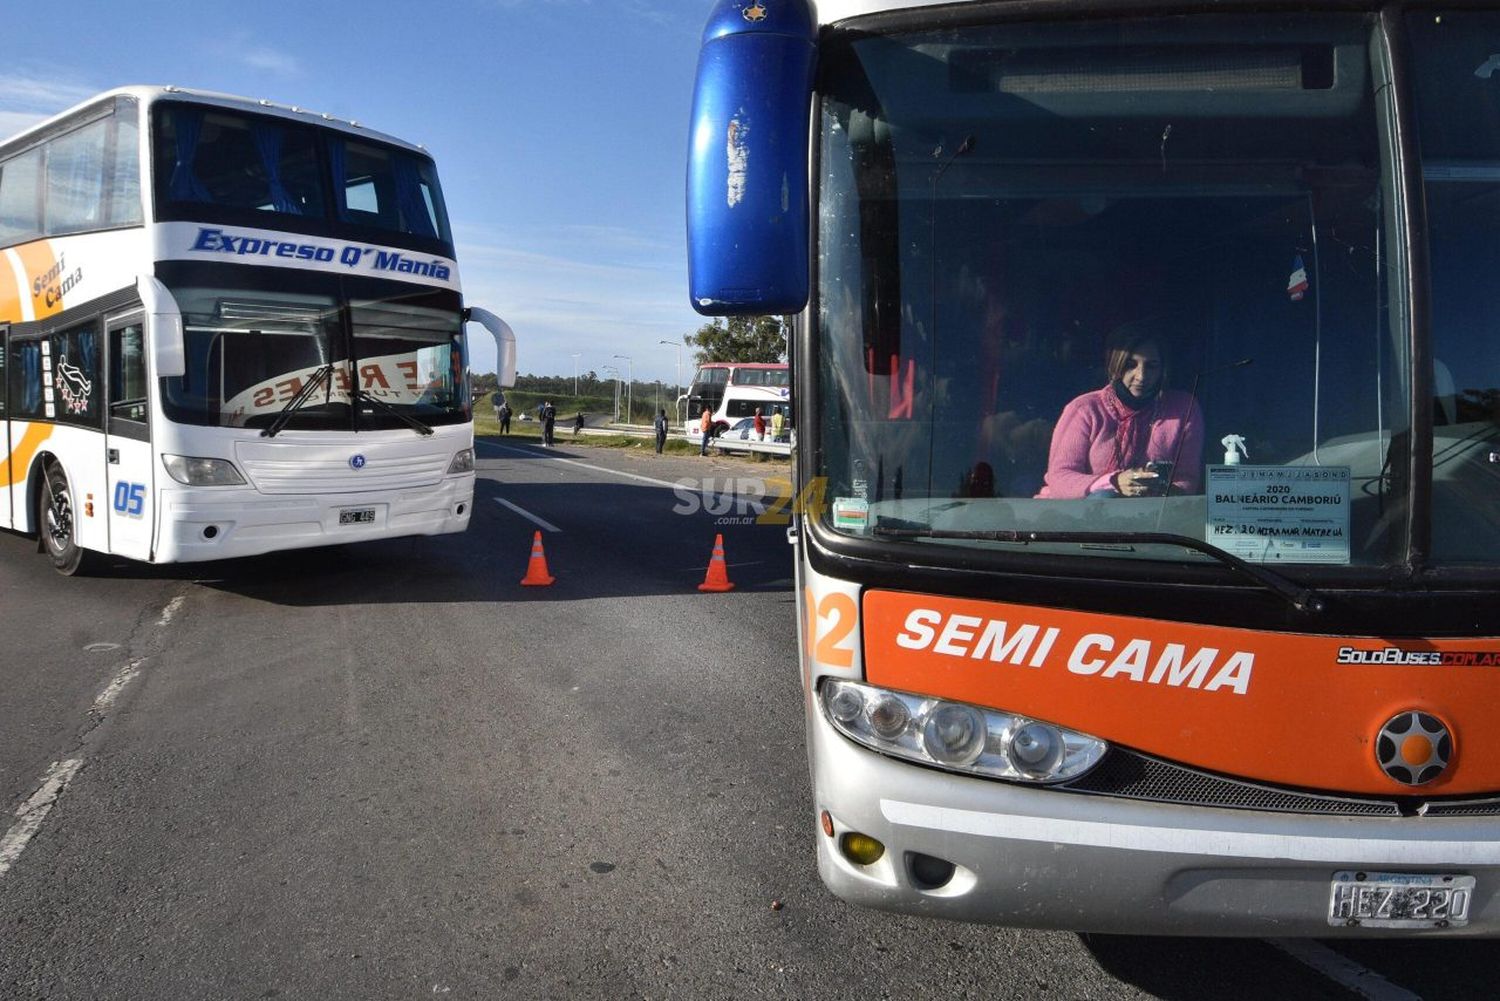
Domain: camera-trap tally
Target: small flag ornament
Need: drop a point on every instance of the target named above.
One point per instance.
(1296, 285)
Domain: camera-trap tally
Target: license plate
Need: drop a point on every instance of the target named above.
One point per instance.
(357, 516)
(1360, 898)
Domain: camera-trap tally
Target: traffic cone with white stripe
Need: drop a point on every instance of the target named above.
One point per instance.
(536, 569)
(717, 578)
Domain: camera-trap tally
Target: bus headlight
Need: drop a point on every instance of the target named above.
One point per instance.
(958, 736)
(463, 462)
(195, 471)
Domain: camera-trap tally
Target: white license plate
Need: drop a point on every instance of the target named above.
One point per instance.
(357, 516)
(1365, 899)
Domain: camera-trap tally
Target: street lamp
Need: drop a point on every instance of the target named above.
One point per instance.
(611, 368)
(629, 386)
(575, 376)
(678, 388)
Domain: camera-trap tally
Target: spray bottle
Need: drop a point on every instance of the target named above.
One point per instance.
(1234, 447)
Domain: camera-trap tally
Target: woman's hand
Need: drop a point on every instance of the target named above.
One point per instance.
(1139, 482)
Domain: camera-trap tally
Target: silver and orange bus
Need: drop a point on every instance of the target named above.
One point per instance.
(1146, 376)
(228, 327)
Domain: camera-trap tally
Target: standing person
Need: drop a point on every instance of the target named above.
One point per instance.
(504, 414)
(660, 427)
(578, 424)
(706, 422)
(499, 401)
(549, 421)
(760, 426)
(1122, 440)
(778, 424)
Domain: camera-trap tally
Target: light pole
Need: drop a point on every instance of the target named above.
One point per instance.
(677, 390)
(629, 386)
(575, 376)
(611, 368)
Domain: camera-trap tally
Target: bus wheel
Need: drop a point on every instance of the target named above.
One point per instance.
(55, 520)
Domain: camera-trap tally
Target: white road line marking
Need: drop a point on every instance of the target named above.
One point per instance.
(170, 610)
(586, 465)
(542, 523)
(35, 810)
(680, 485)
(124, 676)
(1343, 971)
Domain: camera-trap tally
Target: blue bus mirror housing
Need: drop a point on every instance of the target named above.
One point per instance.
(747, 199)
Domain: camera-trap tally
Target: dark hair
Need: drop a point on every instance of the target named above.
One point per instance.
(1127, 340)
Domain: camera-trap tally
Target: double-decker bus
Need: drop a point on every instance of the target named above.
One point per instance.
(1148, 380)
(228, 327)
(732, 391)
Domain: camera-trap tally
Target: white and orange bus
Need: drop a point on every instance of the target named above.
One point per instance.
(227, 327)
(1147, 382)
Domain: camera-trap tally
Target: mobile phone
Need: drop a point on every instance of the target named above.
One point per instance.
(1163, 471)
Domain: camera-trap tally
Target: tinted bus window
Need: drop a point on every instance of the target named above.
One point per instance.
(20, 198)
(75, 180)
(233, 161)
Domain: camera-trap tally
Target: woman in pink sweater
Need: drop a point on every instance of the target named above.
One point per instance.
(1105, 439)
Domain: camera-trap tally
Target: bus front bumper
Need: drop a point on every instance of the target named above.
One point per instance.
(1032, 857)
(215, 523)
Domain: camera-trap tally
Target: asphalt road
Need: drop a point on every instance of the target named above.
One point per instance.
(389, 771)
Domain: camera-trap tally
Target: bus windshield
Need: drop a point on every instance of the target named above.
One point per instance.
(256, 337)
(1128, 277)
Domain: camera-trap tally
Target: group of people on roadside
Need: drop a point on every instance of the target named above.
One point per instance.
(547, 416)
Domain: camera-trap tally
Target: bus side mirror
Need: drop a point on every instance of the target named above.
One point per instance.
(747, 201)
(505, 343)
(164, 322)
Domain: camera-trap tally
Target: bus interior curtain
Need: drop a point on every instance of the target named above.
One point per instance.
(338, 161)
(409, 197)
(184, 186)
(268, 144)
(88, 354)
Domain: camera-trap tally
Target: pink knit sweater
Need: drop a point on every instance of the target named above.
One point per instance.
(1083, 456)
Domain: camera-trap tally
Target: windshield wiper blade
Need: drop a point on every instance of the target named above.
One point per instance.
(407, 419)
(296, 402)
(1304, 599)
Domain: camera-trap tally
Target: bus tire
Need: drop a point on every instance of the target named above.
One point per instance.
(56, 520)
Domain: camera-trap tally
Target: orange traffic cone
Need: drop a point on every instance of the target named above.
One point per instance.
(717, 578)
(536, 570)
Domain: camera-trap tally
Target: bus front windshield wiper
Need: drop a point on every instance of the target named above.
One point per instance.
(295, 403)
(1304, 599)
(407, 419)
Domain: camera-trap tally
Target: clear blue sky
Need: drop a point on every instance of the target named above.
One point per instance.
(559, 129)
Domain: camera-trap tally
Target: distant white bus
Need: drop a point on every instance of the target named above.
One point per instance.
(733, 391)
(229, 327)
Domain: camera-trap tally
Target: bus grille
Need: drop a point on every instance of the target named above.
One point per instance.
(1137, 776)
(299, 467)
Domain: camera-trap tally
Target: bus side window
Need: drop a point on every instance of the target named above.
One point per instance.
(127, 382)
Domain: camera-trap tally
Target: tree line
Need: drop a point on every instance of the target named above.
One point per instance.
(732, 339)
